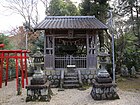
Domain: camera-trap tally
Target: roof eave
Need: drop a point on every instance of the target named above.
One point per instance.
(70, 29)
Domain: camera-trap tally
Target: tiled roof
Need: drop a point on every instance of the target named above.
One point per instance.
(70, 22)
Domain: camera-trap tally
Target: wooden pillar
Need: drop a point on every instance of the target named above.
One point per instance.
(53, 52)
(44, 51)
(1, 69)
(49, 63)
(87, 38)
(96, 48)
(48, 44)
(7, 67)
(16, 71)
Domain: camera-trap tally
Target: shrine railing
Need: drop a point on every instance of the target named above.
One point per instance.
(63, 61)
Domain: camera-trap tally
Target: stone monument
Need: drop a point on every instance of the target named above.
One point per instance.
(103, 88)
(133, 71)
(39, 88)
(124, 71)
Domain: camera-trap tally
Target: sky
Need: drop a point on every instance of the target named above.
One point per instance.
(10, 20)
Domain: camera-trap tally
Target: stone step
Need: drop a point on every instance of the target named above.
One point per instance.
(71, 74)
(70, 78)
(70, 81)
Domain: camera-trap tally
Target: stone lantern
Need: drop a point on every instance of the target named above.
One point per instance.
(103, 87)
(39, 88)
(38, 62)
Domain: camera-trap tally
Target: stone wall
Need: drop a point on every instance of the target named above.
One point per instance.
(54, 76)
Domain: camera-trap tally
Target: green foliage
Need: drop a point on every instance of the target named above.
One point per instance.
(131, 52)
(85, 8)
(61, 8)
(99, 8)
(39, 43)
(127, 52)
(4, 40)
(130, 9)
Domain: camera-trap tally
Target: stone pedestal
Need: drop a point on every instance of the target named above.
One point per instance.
(39, 88)
(104, 91)
(38, 92)
(103, 88)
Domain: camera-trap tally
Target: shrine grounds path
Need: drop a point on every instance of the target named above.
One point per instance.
(68, 97)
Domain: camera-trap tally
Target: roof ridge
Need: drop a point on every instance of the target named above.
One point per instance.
(68, 17)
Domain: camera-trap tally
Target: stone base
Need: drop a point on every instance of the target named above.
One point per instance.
(106, 91)
(104, 80)
(43, 98)
(38, 81)
(38, 92)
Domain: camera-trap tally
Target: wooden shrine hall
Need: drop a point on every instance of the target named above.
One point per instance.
(70, 40)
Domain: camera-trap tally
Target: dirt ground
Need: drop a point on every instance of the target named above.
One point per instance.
(129, 84)
(70, 96)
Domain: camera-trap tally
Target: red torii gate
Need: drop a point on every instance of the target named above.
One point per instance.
(16, 54)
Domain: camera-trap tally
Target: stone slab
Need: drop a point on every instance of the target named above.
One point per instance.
(104, 80)
(40, 81)
(46, 85)
(102, 85)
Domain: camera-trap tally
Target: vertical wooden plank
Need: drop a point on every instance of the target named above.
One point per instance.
(45, 50)
(53, 53)
(7, 67)
(87, 59)
(47, 38)
(96, 50)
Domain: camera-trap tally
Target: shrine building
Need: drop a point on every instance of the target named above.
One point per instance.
(71, 41)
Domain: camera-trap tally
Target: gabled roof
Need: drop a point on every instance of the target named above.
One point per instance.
(70, 22)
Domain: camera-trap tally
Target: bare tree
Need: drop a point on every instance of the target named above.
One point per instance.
(46, 4)
(28, 9)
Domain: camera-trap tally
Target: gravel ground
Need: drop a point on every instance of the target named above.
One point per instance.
(68, 97)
